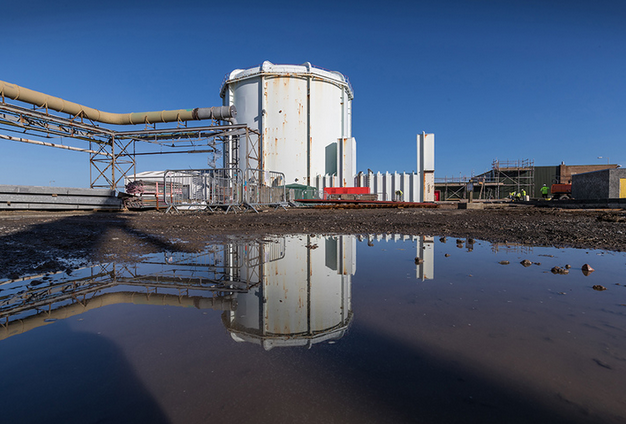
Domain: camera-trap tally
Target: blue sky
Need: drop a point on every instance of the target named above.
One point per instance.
(520, 79)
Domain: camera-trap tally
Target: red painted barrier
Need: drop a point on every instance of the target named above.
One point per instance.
(347, 190)
(337, 192)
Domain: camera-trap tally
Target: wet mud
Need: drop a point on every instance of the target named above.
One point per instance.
(36, 242)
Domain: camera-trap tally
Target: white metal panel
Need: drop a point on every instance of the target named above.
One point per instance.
(245, 95)
(327, 181)
(361, 180)
(387, 186)
(285, 133)
(395, 185)
(285, 303)
(429, 152)
(425, 251)
(414, 188)
(379, 186)
(405, 186)
(412, 185)
(326, 126)
(426, 166)
(328, 289)
(425, 152)
(248, 310)
(429, 186)
(345, 162)
(353, 164)
(349, 254)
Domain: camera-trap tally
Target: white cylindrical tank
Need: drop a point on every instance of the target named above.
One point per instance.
(302, 114)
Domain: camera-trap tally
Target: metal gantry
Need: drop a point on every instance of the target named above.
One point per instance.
(112, 153)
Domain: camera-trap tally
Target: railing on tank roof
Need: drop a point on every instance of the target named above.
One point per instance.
(346, 79)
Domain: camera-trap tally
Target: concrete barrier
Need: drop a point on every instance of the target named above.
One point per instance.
(17, 197)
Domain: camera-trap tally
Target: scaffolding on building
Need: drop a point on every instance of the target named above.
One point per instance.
(513, 176)
(452, 188)
(503, 178)
(484, 187)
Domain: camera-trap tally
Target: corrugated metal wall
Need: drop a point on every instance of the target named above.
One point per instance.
(547, 175)
(384, 185)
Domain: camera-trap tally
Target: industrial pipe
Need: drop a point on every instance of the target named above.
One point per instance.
(222, 303)
(15, 92)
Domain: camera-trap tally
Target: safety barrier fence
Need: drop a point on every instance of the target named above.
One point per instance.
(212, 189)
(263, 188)
(296, 193)
(199, 189)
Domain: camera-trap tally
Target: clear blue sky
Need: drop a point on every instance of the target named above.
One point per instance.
(520, 79)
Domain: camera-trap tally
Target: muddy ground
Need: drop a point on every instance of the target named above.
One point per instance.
(35, 242)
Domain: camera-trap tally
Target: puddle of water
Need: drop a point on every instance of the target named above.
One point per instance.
(321, 329)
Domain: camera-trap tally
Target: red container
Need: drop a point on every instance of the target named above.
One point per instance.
(347, 190)
(561, 188)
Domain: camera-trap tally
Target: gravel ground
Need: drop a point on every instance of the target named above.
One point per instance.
(47, 242)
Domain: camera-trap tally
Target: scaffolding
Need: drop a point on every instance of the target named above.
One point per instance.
(452, 188)
(503, 178)
(513, 176)
(484, 187)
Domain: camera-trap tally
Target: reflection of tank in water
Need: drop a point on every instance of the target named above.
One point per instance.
(288, 291)
(303, 298)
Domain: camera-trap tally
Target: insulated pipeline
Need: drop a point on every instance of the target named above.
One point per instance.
(15, 92)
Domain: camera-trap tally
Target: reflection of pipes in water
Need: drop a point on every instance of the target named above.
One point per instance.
(15, 92)
(222, 303)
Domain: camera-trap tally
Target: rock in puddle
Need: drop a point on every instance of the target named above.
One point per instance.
(587, 269)
(559, 270)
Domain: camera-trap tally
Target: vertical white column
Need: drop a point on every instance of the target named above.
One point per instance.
(405, 186)
(346, 161)
(426, 166)
(426, 252)
(387, 190)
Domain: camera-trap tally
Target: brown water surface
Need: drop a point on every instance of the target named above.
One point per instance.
(309, 329)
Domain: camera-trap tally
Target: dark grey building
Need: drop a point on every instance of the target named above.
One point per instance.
(604, 184)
